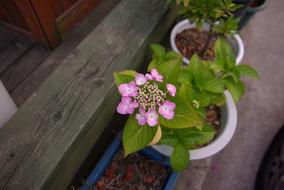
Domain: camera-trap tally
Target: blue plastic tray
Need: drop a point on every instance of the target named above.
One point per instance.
(104, 162)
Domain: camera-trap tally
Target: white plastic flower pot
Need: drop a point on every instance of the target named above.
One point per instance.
(7, 105)
(227, 130)
(186, 24)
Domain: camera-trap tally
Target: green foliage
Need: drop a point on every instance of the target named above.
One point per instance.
(124, 77)
(180, 157)
(217, 13)
(189, 137)
(185, 115)
(135, 137)
(167, 63)
(226, 69)
(199, 84)
(184, 139)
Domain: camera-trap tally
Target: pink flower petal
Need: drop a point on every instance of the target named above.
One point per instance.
(140, 79)
(122, 109)
(123, 89)
(126, 106)
(149, 76)
(172, 89)
(152, 118)
(134, 104)
(156, 75)
(127, 90)
(167, 109)
(126, 100)
(141, 118)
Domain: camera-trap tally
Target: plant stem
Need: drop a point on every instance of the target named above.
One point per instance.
(209, 36)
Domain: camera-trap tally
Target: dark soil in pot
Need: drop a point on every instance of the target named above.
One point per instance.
(192, 41)
(213, 116)
(134, 172)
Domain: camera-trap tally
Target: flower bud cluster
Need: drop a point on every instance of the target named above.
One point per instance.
(150, 96)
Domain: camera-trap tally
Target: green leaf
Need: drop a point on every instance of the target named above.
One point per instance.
(172, 55)
(237, 89)
(136, 137)
(194, 136)
(158, 50)
(218, 99)
(124, 77)
(224, 55)
(185, 77)
(185, 115)
(248, 71)
(170, 70)
(153, 64)
(179, 158)
(169, 136)
(212, 85)
(195, 67)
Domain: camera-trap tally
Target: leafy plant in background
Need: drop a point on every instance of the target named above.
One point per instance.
(217, 13)
(167, 105)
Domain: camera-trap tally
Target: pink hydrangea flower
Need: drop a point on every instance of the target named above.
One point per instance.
(171, 89)
(155, 76)
(152, 118)
(128, 90)
(167, 110)
(140, 79)
(126, 106)
(141, 117)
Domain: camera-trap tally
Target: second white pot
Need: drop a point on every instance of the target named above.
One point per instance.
(227, 130)
(186, 24)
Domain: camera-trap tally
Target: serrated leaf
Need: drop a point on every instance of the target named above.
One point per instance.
(224, 55)
(136, 137)
(153, 64)
(194, 136)
(185, 77)
(124, 77)
(170, 70)
(212, 85)
(180, 157)
(218, 99)
(158, 50)
(237, 89)
(195, 67)
(172, 55)
(185, 116)
(248, 71)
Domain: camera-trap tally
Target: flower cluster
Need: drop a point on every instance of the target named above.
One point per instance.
(144, 94)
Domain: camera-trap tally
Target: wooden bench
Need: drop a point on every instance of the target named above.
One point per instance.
(47, 140)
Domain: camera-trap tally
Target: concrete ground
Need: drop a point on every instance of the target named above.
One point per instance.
(260, 112)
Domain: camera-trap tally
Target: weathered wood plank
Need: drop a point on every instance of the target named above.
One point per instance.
(30, 84)
(59, 124)
(23, 67)
(13, 51)
(5, 38)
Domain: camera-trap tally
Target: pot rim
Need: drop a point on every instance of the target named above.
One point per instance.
(229, 118)
(260, 7)
(184, 22)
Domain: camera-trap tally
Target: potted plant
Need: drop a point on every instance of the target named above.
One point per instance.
(170, 108)
(205, 21)
(254, 7)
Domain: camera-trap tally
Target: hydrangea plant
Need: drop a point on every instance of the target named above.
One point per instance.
(217, 13)
(167, 104)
